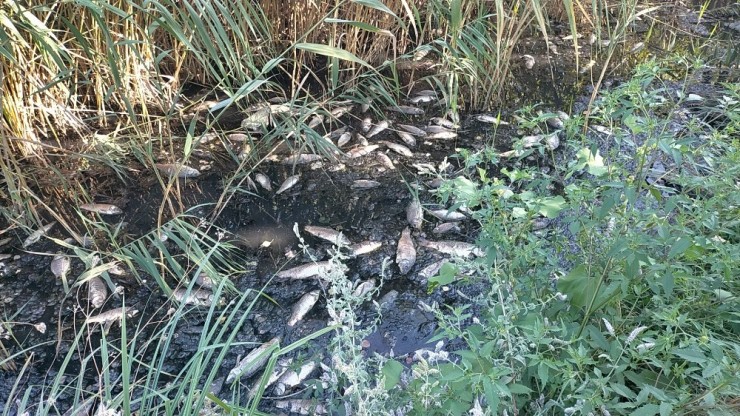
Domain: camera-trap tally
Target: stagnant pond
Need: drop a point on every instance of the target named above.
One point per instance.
(365, 197)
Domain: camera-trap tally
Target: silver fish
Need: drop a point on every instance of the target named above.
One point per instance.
(602, 129)
(385, 161)
(204, 281)
(637, 47)
(528, 61)
(291, 378)
(407, 138)
(362, 140)
(238, 137)
(365, 184)
(315, 121)
(552, 141)
(328, 234)
(301, 406)
(446, 227)
(436, 129)
(380, 127)
(366, 124)
(443, 122)
(406, 109)
(288, 183)
(361, 151)
(530, 141)
(364, 247)
(421, 53)
(196, 297)
(177, 169)
(412, 130)
(112, 315)
(104, 209)
(256, 121)
(60, 265)
(245, 151)
(398, 148)
(431, 270)
(555, 123)
(414, 214)
(253, 362)
(340, 111)
(420, 99)
(337, 133)
(36, 235)
(264, 181)
(305, 271)
(485, 118)
(97, 291)
(446, 215)
(303, 306)
(443, 135)
(406, 252)
(364, 288)
(456, 248)
(344, 139)
(428, 93)
(301, 159)
(281, 366)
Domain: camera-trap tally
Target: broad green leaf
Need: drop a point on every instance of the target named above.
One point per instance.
(681, 245)
(392, 373)
(551, 207)
(360, 25)
(579, 286)
(446, 275)
(646, 410)
(331, 52)
(692, 354)
(519, 389)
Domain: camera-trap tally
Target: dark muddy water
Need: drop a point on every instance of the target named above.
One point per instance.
(261, 225)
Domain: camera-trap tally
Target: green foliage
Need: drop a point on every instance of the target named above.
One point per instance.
(628, 302)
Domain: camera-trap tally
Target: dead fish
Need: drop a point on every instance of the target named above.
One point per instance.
(204, 281)
(637, 47)
(446, 227)
(591, 38)
(36, 235)
(305, 271)
(245, 151)
(428, 93)
(178, 170)
(361, 151)
(112, 315)
(431, 270)
(530, 141)
(528, 61)
(364, 288)
(406, 252)
(366, 124)
(289, 183)
(365, 184)
(292, 378)
(264, 181)
(301, 406)
(344, 139)
(414, 214)
(447, 215)
(328, 234)
(421, 99)
(257, 120)
(97, 291)
(407, 138)
(443, 135)
(407, 109)
(398, 148)
(338, 132)
(602, 129)
(303, 306)
(253, 362)
(238, 137)
(301, 159)
(196, 297)
(421, 53)
(365, 106)
(455, 248)
(412, 130)
(510, 154)
(104, 209)
(281, 366)
(443, 122)
(60, 265)
(588, 66)
(315, 121)
(385, 161)
(365, 247)
(555, 123)
(361, 140)
(378, 128)
(485, 118)
(552, 141)
(340, 111)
